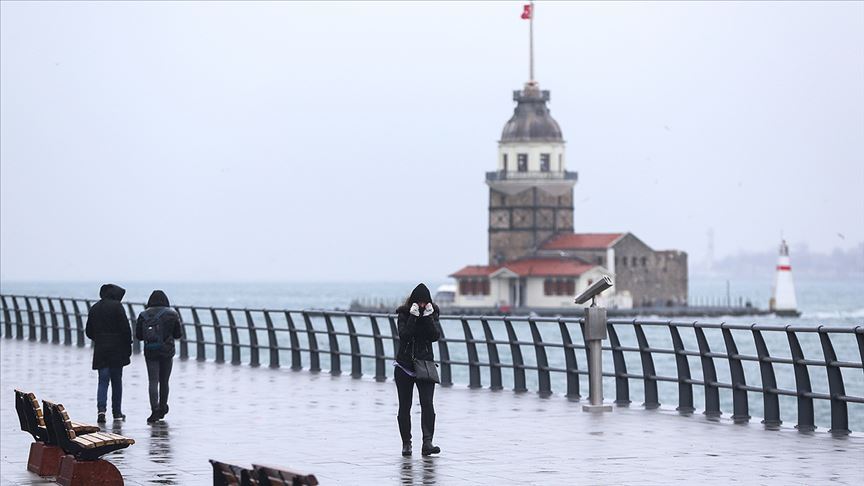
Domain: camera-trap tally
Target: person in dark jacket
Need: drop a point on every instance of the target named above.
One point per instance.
(418, 328)
(108, 327)
(157, 328)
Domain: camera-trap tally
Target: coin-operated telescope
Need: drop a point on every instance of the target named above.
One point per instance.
(595, 332)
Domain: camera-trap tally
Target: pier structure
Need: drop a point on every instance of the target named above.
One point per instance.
(795, 391)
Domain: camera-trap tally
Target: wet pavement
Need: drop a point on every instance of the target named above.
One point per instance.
(344, 431)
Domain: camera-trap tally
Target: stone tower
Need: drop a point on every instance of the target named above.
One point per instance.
(531, 193)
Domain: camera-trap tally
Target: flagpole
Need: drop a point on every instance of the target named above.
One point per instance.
(531, 44)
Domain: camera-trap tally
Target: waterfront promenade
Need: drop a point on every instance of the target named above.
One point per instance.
(344, 431)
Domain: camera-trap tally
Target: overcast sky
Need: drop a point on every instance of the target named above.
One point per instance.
(349, 141)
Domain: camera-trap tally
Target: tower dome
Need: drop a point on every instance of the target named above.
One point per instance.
(531, 121)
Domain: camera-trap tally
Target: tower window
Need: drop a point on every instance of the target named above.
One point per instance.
(522, 162)
(560, 162)
(544, 162)
(505, 162)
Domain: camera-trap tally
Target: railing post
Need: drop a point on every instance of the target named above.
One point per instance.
(740, 408)
(473, 358)
(19, 320)
(31, 320)
(67, 323)
(136, 344)
(394, 332)
(217, 335)
(444, 358)
(314, 359)
(335, 358)
(43, 321)
(770, 399)
(839, 413)
(254, 358)
(235, 338)
(356, 363)
(516, 355)
(79, 324)
(380, 358)
(272, 341)
(7, 318)
(543, 379)
(296, 358)
(622, 383)
(55, 324)
(494, 361)
(709, 375)
(649, 374)
(859, 336)
(806, 421)
(200, 349)
(570, 361)
(184, 343)
(685, 388)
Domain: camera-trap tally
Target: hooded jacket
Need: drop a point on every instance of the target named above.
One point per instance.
(108, 327)
(416, 334)
(159, 312)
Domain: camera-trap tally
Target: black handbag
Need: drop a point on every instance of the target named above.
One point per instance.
(424, 370)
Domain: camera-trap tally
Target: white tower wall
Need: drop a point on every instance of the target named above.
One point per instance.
(783, 299)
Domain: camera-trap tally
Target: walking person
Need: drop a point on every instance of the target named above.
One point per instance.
(418, 328)
(108, 327)
(157, 327)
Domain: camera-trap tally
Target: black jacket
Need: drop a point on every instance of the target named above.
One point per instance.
(108, 327)
(416, 335)
(159, 310)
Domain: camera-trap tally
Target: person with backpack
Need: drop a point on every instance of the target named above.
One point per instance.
(157, 328)
(108, 328)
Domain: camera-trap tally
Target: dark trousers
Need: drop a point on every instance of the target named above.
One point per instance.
(158, 372)
(405, 388)
(114, 376)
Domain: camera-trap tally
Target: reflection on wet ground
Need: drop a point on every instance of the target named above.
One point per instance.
(344, 431)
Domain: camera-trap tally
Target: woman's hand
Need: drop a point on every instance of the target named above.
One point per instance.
(428, 310)
(415, 309)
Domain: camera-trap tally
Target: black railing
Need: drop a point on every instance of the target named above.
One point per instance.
(515, 175)
(493, 346)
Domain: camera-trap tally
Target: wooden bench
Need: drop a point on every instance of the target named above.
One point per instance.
(225, 474)
(45, 454)
(82, 464)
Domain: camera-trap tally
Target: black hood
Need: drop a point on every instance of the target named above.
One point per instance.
(158, 299)
(112, 292)
(420, 294)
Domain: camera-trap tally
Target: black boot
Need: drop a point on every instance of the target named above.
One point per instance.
(405, 432)
(163, 411)
(427, 421)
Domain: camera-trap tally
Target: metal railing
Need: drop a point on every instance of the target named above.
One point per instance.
(515, 175)
(493, 346)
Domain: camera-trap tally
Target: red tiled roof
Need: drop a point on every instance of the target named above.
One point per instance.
(533, 267)
(545, 267)
(577, 241)
(475, 271)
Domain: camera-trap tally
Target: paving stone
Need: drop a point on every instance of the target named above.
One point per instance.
(344, 431)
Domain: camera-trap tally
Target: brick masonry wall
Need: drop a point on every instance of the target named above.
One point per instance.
(519, 223)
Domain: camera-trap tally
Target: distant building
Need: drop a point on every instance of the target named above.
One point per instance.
(535, 258)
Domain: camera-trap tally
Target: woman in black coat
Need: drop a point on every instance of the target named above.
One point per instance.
(418, 328)
(108, 327)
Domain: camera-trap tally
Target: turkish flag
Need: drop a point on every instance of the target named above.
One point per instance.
(526, 12)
